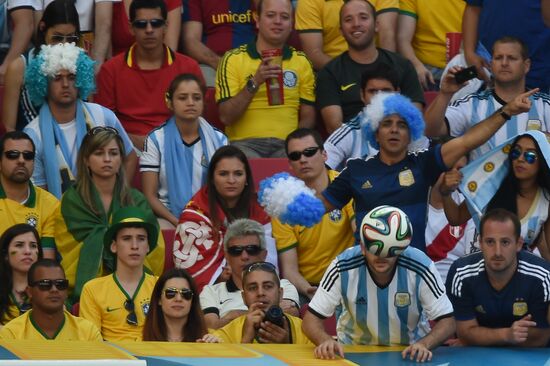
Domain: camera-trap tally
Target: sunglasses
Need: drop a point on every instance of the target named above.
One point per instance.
(14, 154)
(142, 23)
(94, 131)
(529, 156)
(171, 292)
(60, 38)
(131, 318)
(263, 266)
(24, 308)
(309, 152)
(251, 249)
(46, 285)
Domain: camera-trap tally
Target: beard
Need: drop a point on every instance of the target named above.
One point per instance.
(19, 176)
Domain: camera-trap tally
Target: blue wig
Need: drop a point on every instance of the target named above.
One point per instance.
(50, 61)
(385, 104)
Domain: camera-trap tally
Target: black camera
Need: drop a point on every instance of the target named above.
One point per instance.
(275, 315)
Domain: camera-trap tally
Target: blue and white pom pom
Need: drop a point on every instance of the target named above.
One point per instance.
(290, 200)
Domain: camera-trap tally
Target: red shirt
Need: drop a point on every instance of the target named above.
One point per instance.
(136, 96)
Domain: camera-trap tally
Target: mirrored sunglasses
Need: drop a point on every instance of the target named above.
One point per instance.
(46, 285)
(142, 23)
(98, 129)
(252, 249)
(529, 156)
(14, 154)
(309, 152)
(171, 292)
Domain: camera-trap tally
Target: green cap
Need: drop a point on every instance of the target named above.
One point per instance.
(131, 217)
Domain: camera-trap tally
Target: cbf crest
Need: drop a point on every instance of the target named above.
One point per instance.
(145, 307)
(335, 215)
(32, 220)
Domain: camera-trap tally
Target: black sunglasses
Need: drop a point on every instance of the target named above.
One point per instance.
(142, 23)
(529, 156)
(46, 285)
(60, 38)
(251, 249)
(131, 318)
(14, 154)
(171, 292)
(98, 129)
(309, 152)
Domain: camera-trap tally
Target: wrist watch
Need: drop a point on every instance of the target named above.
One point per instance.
(504, 115)
(251, 86)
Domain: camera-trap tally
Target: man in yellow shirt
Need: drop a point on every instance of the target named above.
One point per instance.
(21, 201)
(118, 303)
(265, 322)
(305, 253)
(254, 125)
(47, 292)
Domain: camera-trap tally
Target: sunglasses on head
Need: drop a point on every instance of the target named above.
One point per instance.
(131, 318)
(46, 285)
(529, 156)
(251, 249)
(309, 152)
(263, 266)
(60, 38)
(142, 23)
(14, 154)
(98, 129)
(171, 292)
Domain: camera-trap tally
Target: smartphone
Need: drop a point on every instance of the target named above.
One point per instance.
(466, 74)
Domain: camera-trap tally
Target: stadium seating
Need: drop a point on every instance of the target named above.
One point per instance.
(266, 167)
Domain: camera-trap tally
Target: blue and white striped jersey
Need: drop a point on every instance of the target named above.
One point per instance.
(394, 314)
(464, 113)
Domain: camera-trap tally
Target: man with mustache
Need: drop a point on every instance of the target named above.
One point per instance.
(501, 295)
(20, 200)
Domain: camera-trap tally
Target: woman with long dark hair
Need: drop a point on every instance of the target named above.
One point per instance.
(20, 246)
(521, 185)
(228, 195)
(86, 208)
(59, 24)
(175, 313)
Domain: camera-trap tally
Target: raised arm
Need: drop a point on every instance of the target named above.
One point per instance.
(456, 214)
(435, 113)
(477, 135)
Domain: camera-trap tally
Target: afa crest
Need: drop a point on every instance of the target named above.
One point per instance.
(489, 166)
(472, 186)
(402, 299)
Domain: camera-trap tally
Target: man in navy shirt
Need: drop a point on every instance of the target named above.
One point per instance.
(401, 178)
(501, 296)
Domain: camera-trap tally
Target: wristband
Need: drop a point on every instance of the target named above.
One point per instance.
(504, 115)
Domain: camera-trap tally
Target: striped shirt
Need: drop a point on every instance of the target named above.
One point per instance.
(394, 314)
(464, 113)
(473, 297)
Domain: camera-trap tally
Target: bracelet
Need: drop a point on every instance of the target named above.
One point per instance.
(504, 115)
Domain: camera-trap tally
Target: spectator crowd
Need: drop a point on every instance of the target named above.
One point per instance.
(128, 204)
